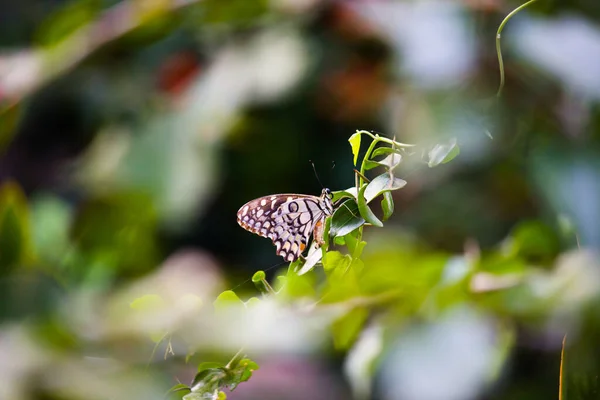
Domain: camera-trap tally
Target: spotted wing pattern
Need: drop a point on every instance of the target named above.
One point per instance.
(287, 219)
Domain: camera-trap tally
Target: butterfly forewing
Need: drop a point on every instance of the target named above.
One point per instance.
(287, 219)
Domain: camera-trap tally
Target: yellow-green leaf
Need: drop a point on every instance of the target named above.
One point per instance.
(355, 143)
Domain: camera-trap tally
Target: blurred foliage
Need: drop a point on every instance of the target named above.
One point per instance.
(453, 268)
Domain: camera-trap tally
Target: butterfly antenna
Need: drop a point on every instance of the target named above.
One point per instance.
(317, 175)
(332, 164)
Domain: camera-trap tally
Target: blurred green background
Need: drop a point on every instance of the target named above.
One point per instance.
(131, 132)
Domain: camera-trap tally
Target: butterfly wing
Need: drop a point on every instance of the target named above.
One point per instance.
(294, 223)
(286, 219)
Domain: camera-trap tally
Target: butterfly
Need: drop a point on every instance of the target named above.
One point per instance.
(288, 220)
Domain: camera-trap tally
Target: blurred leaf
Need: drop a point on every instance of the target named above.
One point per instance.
(342, 279)
(355, 246)
(345, 330)
(355, 144)
(148, 302)
(335, 259)
(364, 209)
(227, 299)
(443, 153)
(72, 16)
(120, 228)
(346, 219)
(387, 205)
(50, 222)
(535, 241)
(339, 240)
(382, 183)
(294, 286)
(15, 240)
(180, 387)
(241, 373)
(238, 12)
(9, 120)
(208, 380)
(209, 365)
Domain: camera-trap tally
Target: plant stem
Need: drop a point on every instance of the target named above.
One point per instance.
(235, 359)
(498, 47)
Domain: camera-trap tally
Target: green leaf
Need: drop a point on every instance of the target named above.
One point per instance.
(260, 281)
(381, 184)
(355, 144)
(259, 276)
(294, 286)
(384, 151)
(315, 255)
(443, 153)
(368, 164)
(210, 365)
(9, 120)
(391, 161)
(342, 279)
(345, 330)
(241, 373)
(348, 193)
(387, 205)
(364, 209)
(334, 260)
(339, 240)
(15, 239)
(208, 380)
(227, 299)
(346, 219)
(252, 302)
(534, 240)
(355, 247)
(180, 387)
(59, 25)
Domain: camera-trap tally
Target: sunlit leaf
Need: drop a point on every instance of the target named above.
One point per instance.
(391, 161)
(346, 219)
(335, 259)
(294, 286)
(314, 256)
(348, 193)
(355, 144)
(382, 183)
(364, 209)
(227, 298)
(443, 153)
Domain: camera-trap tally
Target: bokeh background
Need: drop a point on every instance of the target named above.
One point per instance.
(132, 131)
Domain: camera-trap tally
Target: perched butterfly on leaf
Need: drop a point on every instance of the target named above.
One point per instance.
(288, 220)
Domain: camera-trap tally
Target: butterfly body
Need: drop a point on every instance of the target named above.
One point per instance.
(288, 220)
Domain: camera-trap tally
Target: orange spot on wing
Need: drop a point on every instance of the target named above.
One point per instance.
(302, 246)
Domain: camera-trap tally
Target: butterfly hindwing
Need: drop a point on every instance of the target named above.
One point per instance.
(287, 219)
(295, 220)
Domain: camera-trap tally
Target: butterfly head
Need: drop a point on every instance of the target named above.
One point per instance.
(327, 196)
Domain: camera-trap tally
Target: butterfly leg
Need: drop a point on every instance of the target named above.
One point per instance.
(318, 233)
